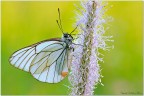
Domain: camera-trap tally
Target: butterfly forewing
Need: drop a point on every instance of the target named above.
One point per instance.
(23, 58)
(46, 61)
(44, 45)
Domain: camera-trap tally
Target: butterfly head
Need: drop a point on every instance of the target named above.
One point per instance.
(67, 38)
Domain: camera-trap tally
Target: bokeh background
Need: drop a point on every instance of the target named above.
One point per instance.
(25, 23)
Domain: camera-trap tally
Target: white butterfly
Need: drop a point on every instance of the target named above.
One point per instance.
(47, 60)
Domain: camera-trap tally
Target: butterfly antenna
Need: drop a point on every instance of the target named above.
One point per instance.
(74, 29)
(59, 23)
(59, 26)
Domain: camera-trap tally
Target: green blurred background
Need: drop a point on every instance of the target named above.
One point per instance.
(25, 23)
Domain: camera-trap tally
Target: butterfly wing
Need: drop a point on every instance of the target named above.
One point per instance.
(23, 57)
(47, 61)
(51, 72)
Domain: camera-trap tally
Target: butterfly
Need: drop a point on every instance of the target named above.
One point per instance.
(47, 61)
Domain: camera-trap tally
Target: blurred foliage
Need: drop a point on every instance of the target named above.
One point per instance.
(25, 23)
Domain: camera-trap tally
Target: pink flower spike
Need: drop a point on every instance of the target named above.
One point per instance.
(85, 69)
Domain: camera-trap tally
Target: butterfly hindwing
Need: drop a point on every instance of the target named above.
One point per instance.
(53, 67)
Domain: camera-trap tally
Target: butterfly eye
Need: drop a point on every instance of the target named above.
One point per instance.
(65, 36)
